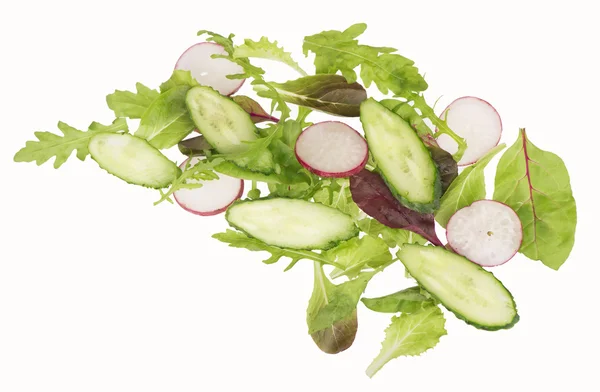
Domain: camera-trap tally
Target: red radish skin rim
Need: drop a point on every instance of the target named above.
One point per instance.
(495, 111)
(488, 266)
(210, 213)
(208, 43)
(338, 174)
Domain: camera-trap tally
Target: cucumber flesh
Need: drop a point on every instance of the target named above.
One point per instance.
(292, 223)
(402, 158)
(227, 127)
(133, 160)
(463, 287)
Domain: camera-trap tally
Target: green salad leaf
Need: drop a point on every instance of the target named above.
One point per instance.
(340, 51)
(129, 104)
(331, 303)
(179, 78)
(265, 49)
(468, 187)
(335, 193)
(167, 121)
(409, 300)
(355, 254)
(392, 237)
(51, 145)
(237, 239)
(326, 93)
(536, 184)
(410, 334)
(191, 177)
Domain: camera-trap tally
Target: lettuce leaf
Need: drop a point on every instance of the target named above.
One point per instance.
(536, 184)
(410, 334)
(265, 49)
(356, 254)
(326, 93)
(409, 300)
(372, 195)
(129, 104)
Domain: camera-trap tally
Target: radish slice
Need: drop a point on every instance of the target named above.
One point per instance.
(332, 149)
(208, 71)
(475, 120)
(487, 232)
(214, 197)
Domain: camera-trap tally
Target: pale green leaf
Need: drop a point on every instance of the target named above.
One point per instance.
(329, 303)
(405, 301)
(355, 254)
(340, 51)
(129, 104)
(336, 193)
(410, 334)
(167, 121)
(238, 239)
(468, 187)
(392, 237)
(265, 49)
(51, 145)
(536, 184)
(179, 78)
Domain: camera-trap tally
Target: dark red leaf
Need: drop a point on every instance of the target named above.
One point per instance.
(443, 160)
(372, 195)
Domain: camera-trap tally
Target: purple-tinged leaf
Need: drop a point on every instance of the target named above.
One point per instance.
(372, 195)
(257, 113)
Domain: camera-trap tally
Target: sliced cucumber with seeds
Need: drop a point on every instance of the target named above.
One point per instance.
(133, 160)
(463, 287)
(402, 159)
(227, 127)
(292, 223)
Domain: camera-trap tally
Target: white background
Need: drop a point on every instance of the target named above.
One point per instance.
(101, 291)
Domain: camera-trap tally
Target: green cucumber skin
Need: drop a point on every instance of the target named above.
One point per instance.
(266, 164)
(425, 208)
(428, 208)
(327, 246)
(460, 316)
(176, 170)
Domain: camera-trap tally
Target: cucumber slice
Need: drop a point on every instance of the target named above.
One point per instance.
(292, 223)
(402, 159)
(470, 292)
(133, 160)
(227, 127)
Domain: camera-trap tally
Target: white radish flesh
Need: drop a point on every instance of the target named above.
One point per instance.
(477, 122)
(210, 71)
(487, 232)
(332, 149)
(214, 197)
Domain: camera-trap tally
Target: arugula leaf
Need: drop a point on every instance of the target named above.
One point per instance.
(250, 71)
(356, 254)
(410, 334)
(340, 51)
(51, 145)
(253, 108)
(536, 184)
(190, 177)
(372, 195)
(327, 93)
(409, 300)
(329, 303)
(167, 121)
(237, 239)
(265, 49)
(468, 187)
(132, 105)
